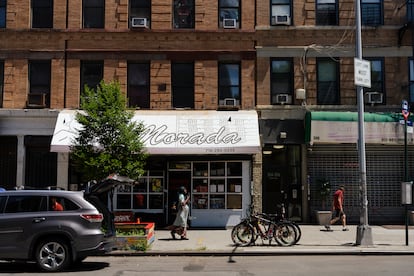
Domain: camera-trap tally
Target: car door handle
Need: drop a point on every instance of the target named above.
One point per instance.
(37, 220)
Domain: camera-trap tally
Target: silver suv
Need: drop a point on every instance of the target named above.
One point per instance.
(52, 227)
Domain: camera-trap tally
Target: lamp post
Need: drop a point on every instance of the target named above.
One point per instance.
(364, 231)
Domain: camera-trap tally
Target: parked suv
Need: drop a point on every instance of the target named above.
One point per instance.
(55, 228)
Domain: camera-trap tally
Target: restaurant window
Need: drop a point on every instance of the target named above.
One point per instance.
(139, 85)
(326, 12)
(281, 12)
(229, 13)
(91, 74)
(1, 82)
(184, 14)
(42, 13)
(3, 12)
(39, 83)
(182, 82)
(145, 193)
(229, 84)
(94, 14)
(281, 81)
(139, 13)
(328, 81)
(217, 185)
(371, 12)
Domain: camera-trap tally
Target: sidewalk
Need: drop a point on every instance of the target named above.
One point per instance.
(315, 240)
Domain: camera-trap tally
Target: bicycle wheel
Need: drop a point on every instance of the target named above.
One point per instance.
(298, 231)
(243, 234)
(285, 234)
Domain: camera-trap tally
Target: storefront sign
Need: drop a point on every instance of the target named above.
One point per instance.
(180, 132)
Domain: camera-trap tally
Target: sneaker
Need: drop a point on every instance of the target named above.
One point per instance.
(173, 234)
(345, 229)
(328, 227)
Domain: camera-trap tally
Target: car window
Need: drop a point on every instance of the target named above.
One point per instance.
(57, 203)
(19, 204)
(2, 203)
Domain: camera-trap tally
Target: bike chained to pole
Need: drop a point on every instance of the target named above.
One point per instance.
(268, 227)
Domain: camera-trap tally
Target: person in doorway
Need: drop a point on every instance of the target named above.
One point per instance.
(338, 209)
(56, 206)
(180, 223)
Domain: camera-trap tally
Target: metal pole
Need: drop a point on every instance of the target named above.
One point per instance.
(406, 178)
(364, 231)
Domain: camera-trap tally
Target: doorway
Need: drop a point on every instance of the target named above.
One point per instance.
(282, 180)
(176, 179)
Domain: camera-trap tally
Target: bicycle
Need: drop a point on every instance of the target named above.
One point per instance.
(259, 225)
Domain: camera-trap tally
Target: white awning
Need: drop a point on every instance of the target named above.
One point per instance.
(180, 132)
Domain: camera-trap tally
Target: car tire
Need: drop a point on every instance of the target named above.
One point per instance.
(52, 255)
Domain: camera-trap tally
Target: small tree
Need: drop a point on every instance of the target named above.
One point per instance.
(109, 141)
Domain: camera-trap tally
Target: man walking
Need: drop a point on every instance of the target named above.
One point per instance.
(338, 209)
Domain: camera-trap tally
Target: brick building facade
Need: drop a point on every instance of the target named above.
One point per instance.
(288, 60)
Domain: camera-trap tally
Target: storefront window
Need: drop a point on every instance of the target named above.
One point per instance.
(145, 193)
(217, 185)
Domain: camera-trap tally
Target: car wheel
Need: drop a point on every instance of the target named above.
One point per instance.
(52, 255)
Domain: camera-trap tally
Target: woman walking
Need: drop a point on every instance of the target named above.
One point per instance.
(180, 223)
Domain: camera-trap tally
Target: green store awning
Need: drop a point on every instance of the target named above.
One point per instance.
(330, 127)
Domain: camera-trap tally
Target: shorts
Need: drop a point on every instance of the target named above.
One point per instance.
(339, 213)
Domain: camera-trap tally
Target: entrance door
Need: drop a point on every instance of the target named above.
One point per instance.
(282, 180)
(176, 179)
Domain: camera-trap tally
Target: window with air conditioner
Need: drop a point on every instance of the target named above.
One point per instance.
(139, 13)
(229, 14)
(281, 13)
(281, 78)
(376, 93)
(39, 83)
(229, 84)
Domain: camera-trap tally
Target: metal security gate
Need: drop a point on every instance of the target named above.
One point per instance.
(385, 171)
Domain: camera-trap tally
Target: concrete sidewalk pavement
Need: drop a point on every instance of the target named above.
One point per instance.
(315, 240)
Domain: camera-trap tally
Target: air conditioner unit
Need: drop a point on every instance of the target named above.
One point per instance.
(373, 98)
(229, 23)
(281, 19)
(36, 100)
(229, 102)
(139, 22)
(282, 98)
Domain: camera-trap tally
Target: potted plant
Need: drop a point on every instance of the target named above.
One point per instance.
(324, 192)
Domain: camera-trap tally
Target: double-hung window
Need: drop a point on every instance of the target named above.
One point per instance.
(372, 12)
(91, 74)
(139, 13)
(3, 12)
(182, 82)
(411, 84)
(42, 13)
(281, 81)
(326, 12)
(229, 14)
(327, 81)
(1, 82)
(410, 10)
(229, 84)
(94, 14)
(184, 14)
(139, 85)
(39, 81)
(376, 92)
(281, 13)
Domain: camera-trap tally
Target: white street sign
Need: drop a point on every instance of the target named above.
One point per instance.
(362, 72)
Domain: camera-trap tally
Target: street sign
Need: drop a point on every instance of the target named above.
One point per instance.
(362, 72)
(405, 110)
